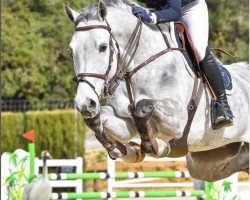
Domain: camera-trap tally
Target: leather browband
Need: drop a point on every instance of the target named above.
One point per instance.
(87, 28)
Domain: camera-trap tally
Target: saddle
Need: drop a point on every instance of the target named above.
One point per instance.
(184, 41)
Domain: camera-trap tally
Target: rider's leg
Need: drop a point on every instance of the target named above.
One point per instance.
(221, 113)
(196, 19)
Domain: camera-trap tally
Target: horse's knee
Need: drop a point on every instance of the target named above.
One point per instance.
(144, 108)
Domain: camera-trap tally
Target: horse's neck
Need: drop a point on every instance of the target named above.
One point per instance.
(151, 40)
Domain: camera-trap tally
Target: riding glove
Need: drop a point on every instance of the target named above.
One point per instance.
(144, 14)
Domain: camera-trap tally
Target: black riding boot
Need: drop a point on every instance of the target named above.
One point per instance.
(221, 114)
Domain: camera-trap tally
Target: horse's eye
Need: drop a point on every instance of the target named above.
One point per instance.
(103, 47)
(70, 53)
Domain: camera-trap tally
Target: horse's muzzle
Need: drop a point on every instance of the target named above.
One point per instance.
(86, 114)
(88, 110)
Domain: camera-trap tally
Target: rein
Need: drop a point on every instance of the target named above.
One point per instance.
(123, 61)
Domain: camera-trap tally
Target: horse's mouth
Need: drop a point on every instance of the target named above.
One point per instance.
(88, 115)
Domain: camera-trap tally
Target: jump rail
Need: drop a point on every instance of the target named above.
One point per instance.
(120, 175)
(130, 194)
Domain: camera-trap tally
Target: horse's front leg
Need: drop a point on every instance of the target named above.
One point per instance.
(114, 133)
(149, 142)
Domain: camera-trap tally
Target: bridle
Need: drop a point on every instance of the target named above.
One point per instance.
(123, 61)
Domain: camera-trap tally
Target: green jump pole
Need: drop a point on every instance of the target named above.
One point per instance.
(119, 175)
(31, 148)
(129, 194)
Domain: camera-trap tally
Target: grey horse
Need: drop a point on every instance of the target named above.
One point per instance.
(163, 94)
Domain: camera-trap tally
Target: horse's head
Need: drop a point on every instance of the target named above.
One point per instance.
(94, 53)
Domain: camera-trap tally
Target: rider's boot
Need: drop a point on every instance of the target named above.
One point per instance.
(221, 114)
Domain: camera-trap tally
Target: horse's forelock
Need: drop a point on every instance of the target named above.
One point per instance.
(89, 12)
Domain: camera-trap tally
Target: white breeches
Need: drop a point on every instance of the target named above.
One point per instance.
(195, 17)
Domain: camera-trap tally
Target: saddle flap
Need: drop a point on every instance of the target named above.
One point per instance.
(188, 44)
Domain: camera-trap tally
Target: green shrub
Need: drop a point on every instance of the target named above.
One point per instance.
(12, 128)
(62, 132)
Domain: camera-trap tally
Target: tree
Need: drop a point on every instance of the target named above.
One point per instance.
(35, 37)
(229, 27)
(24, 65)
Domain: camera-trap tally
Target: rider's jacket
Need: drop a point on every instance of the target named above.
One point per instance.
(158, 4)
(167, 10)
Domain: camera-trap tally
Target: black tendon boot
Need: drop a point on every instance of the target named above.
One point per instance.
(221, 114)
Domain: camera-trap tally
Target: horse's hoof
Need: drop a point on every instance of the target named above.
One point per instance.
(140, 155)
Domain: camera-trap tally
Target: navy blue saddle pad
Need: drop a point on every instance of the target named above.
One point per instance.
(227, 79)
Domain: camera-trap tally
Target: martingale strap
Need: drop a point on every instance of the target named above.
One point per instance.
(129, 52)
(129, 74)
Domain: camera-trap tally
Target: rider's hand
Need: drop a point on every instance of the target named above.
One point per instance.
(144, 14)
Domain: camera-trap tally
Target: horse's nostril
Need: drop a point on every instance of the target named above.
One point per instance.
(92, 104)
(86, 113)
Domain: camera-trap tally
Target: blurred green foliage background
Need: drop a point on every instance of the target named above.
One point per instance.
(36, 34)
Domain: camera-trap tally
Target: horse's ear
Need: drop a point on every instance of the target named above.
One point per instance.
(72, 14)
(102, 10)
